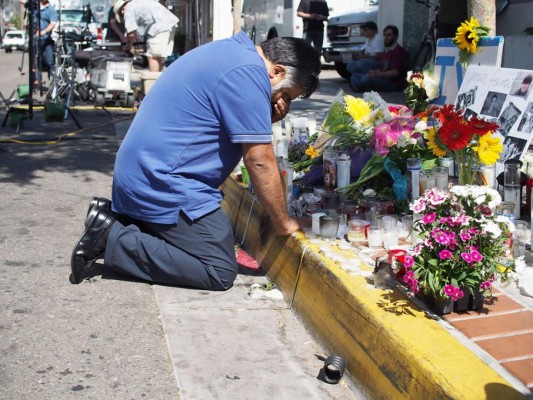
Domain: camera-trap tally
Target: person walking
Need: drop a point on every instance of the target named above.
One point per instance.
(211, 107)
(44, 22)
(371, 56)
(313, 13)
(152, 22)
(393, 67)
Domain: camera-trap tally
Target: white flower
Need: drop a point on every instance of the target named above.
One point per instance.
(492, 228)
(421, 126)
(369, 193)
(506, 221)
(431, 85)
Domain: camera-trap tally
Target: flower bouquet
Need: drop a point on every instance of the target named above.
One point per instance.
(349, 126)
(463, 245)
(421, 89)
(393, 143)
(469, 140)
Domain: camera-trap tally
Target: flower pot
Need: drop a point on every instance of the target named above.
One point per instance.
(461, 304)
(443, 305)
(440, 305)
(476, 301)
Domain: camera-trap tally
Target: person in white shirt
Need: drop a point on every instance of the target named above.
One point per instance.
(150, 21)
(374, 48)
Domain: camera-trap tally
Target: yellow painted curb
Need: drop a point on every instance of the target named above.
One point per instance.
(392, 349)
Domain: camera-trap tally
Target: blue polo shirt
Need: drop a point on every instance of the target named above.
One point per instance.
(188, 133)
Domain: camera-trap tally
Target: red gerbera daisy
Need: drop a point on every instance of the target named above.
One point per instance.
(448, 113)
(481, 127)
(455, 135)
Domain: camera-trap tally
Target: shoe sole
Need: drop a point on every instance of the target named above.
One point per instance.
(78, 265)
(79, 261)
(96, 204)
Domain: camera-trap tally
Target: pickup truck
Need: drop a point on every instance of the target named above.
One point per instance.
(346, 37)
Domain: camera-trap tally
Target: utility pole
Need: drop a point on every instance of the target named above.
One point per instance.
(485, 12)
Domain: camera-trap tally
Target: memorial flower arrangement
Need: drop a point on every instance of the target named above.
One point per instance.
(463, 243)
(303, 154)
(469, 140)
(467, 38)
(393, 143)
(351, 120)
(421, 88)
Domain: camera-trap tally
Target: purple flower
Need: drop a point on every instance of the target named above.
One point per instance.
(445, 254)
(476, 256)
(467, 257)
(429, 218)
(408, 262)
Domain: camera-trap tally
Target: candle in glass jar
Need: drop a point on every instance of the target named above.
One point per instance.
(441, 177)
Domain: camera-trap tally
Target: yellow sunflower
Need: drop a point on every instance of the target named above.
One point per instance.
(358, 109)
(466, 37)
(433, 144)
(311, 152)
(488, 149)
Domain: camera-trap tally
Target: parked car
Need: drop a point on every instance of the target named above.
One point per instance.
(346, 37)
(15, 40)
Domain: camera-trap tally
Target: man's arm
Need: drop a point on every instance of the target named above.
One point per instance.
(132, 36)
(317, 17)
(113, 23)
(260, 162)
(51, 26)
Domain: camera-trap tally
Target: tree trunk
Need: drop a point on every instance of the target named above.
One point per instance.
(237, 7)
(485, 12)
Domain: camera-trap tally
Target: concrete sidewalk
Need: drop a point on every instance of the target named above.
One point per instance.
(109, 337)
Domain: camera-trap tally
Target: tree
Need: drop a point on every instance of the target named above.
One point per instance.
(485, 12)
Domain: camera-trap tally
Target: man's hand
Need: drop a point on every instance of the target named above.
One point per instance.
(280, 109)
(373, 73)
(291, 225)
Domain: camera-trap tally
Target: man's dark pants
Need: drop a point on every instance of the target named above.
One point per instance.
(197, 254)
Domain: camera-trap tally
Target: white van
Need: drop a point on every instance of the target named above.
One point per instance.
(15, 40)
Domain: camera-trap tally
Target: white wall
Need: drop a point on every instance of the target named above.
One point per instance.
(222, 19)
(391, 13)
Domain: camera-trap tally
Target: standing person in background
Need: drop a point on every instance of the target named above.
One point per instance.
(374, 48)
(390, 76)
(212, 107)
(42, 30)
(115, 29)
(314, 13)
(152, 22)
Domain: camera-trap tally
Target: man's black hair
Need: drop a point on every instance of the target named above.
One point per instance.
(298, 54)
(394, 29)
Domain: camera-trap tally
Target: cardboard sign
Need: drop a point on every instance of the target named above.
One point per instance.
(448, 68)
(503, 95)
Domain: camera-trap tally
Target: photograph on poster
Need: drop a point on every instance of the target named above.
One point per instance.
(513, 113)
(512, 148)
(522, 84)
(508, 118)
(466, 99)
(493, 104)
(526, 123)
(468, 113)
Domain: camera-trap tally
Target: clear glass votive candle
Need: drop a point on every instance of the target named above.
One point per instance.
(390, 239)
(426, 180)
(407, 221)
(375, 237)
(441, 177)
(389, 223)
(356, 230)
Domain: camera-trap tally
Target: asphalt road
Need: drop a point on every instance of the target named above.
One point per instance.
(111, 338)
